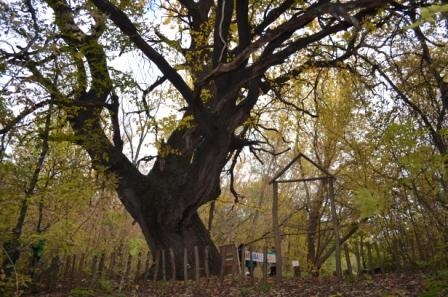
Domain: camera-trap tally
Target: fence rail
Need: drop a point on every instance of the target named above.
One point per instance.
(125, 268)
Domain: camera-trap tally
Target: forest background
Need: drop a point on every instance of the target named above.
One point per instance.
(367, 104)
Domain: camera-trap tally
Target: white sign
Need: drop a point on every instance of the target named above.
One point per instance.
(295, 263)
(259, 257)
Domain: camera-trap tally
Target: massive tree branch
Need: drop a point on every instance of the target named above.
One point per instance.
(436, 137)
(272, 16)
(8, 126)
(122, 21)
(242, 18)
(198, 10)
(221, 36)
(284, 31)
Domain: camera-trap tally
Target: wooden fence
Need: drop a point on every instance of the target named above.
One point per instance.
(125, 268)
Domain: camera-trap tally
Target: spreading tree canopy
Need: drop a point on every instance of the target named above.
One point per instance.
(215, 59)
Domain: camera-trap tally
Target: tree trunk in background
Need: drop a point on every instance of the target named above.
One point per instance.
(313, 232)
(12, 246)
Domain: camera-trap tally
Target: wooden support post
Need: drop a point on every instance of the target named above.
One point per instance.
(125, 274)
(101, 265)
(411, 244)
(358, 258)
(81, 266)
(335, 220)
(173, 264)
(296, 268)
(395, 255)
(243, 260)
(120, 259)
(148, 257)
(379, 257)
(223, 259)
(276, 231)
(139, 266)
(53, 272)
(196, 262)
(94, 270)
(67, 264)
(369, 257)
(265, 262)
(251, 264)
(361, 252)
(206, 259)
(111, 264)
(347, 260)
(157, 265)
(128, 268)
(163, 265)
(234, 261)
(94, 266)
(73, 268)
(185, 265)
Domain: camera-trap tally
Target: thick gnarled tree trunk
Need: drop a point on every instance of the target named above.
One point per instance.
(165, 202)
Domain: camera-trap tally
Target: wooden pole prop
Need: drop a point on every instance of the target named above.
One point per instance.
(358, 258)
(101, 265)
(111, 265)
(173, 264)
(128, 268)
(243, 260)
(221, 274)
(335, 227)
(163, 265)
(81, 265)
(265, 262)
(73, 268)
(234, 261)
(251, 265)
(185, 265)
(156, 266)
(276, 230)
(196, 262)
(139, 265)
(369, 257)
(148, 257)
(206, 266)
(347, 260)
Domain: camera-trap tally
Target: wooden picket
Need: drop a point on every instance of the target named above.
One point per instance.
(122, 267)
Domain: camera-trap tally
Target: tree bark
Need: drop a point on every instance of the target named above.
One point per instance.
(165, 201)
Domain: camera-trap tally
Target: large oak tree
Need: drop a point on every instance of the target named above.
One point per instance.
(233, 52)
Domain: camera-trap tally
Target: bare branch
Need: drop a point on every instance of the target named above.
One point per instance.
(127, 27)
(23, 114)
(232, 176)
(113, 112)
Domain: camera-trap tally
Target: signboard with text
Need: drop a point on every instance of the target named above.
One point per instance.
(259, 257)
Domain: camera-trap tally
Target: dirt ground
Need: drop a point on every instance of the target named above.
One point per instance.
(385, 285)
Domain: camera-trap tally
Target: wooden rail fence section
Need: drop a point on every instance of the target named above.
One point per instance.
(126, 268)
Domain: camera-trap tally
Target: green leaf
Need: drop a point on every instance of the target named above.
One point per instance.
(369, 203)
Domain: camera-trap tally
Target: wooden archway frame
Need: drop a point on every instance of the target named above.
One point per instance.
(275, 226)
